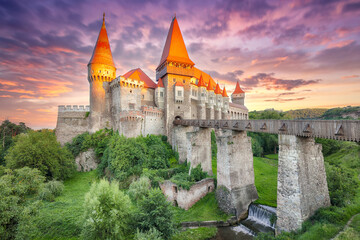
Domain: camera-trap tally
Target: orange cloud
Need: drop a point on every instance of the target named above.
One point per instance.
(17, 91)
(340, 44)
(5, 96)
(352, 76)
(6, 82)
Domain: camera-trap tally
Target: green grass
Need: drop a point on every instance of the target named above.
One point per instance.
(62, 219)
(204, 210)
(266, 180)
(272, 156)
(201, 233)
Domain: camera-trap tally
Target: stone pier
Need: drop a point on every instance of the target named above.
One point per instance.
(302, 186)
(194, 146)
(235, 172)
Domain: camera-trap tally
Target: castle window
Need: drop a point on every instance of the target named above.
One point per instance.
(131, 106)
(142, 96)
(183, 80)
(174, 79)
(99, 71)
(161, 94)
(130, 91)
(179, 93)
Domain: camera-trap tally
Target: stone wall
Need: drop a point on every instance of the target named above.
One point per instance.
(71, 121)
(235, 172)
(302, 186)
(154, 120)
(187, 198)
(86, 161)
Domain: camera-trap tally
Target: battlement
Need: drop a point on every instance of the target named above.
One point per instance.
(152, 111)
(74, 108)
(132, 115)
(126, 82)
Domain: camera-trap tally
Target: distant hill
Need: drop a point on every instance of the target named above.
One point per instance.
(309, 113)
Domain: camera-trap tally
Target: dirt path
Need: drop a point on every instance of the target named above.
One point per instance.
(346, 226)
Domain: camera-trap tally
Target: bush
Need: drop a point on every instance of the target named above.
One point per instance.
(77, 144)
(341, 183)
(197, 174)
(155, 212)
(108, 212)
(15, 209)
(41, 150)
(51, 190)
(139, 189)
(152, 234)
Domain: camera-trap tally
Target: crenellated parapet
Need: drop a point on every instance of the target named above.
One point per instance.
(131, 115)
(152, 111)
(126, 82)
(73, 108)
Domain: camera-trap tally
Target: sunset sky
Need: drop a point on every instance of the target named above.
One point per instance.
(286, 54)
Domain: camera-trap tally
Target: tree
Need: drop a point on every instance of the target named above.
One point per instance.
(139, 189)
(42, 151)
(155, 212)
(108, 212)
(15, 209)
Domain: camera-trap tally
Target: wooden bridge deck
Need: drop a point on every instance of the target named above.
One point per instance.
(344, 130)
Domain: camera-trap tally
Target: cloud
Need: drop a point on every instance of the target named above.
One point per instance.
(233, 76)
(351, 76)
(284, 99)
(268, 81)
(351, 7)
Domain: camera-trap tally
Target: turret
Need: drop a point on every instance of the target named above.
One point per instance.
(219, 101)
(225, 108)
(101, 71)
(202, 93)
(238, 96)
(160, 94)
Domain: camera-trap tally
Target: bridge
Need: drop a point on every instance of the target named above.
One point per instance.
(301, 185)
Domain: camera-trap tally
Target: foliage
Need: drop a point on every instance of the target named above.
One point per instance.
(342, 185)
(98, 141)
(256, 147)
(307, 113)
(155, 212)
(104, 206)
(268, 114)
(339, 113)
(77, 144)
(201, 233)
(139, 189)
(185, 181)
(41, 150)
(18, 187)
(204, 210)
(152, 234)
(51, 190)
(329, 146)
(63, 219)
(125, 157)
(266, 171)
(8, 130)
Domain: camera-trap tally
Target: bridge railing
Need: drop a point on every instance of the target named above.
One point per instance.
(345, 130)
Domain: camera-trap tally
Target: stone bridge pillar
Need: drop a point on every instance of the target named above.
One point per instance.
(235, 172)
(194, 146)
(302, 186)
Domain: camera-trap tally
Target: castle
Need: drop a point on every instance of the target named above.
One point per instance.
(135, 105)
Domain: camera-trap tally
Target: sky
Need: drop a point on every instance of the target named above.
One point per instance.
(286, 54)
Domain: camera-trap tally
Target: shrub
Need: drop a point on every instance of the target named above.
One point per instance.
(342, 184)
(51, 190)
(152, 234)
(41, 150)
(15, 209)
(77, 144)
(108, 212)
(155, 212)
(139, 189)
(197, 174)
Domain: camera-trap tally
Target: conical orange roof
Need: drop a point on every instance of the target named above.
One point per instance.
(217, 89)
(175, 49)
(238, 89)
(138, 74)
(211, 85)
(102, 52)
(179, 84)
(224, 93)
(160, 83)
(201, 82)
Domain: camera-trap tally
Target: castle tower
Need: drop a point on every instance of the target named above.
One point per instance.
(160, 94)
(225, 108)
(202, 93)
(101, 71)
(219, 102)
(238, 96)
(211, 100)
(175, 68)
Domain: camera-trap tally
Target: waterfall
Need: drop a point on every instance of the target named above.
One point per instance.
(261, 214)
(243, 229)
